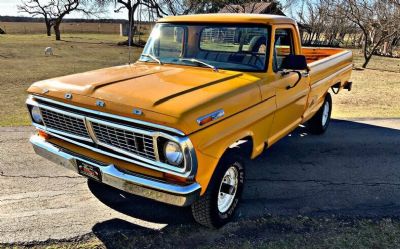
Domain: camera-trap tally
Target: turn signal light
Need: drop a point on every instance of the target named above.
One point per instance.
(206, 120)
(174, 178)
(43, 134)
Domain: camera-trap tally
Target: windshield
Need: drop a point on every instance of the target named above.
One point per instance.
(241, 48)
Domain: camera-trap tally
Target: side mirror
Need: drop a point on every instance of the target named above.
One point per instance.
(295, 62)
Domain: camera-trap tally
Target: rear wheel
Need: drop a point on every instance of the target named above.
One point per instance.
(320, 122)
(218, 205)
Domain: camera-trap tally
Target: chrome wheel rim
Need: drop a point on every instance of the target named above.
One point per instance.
(227, 189)
(325, 113)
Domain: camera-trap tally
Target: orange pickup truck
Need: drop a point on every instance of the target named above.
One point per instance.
(207, 92)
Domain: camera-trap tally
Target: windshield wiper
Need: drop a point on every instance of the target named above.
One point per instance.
(153, 58)
(214, 68)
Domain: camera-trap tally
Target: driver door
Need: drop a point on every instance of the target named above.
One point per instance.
(290, 102)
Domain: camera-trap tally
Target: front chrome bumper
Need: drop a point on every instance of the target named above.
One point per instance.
(157, 190)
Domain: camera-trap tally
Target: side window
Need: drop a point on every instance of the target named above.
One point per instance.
(283, 47)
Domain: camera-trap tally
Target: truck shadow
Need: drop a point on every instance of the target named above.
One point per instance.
(352, 170)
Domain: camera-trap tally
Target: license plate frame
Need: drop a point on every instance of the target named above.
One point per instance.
(88, 170)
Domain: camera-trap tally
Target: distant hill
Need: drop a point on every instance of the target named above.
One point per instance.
(66, 20)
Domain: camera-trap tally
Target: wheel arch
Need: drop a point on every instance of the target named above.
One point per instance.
(242, 145)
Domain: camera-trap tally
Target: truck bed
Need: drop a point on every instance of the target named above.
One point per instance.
(315, 54)
(329, 63)
(328, 67)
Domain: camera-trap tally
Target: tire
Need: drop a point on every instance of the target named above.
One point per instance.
(320, 122)
(215, 208)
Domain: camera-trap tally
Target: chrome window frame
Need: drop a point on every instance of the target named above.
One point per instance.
(188, 170)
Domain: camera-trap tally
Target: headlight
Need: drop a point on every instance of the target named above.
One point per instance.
(36, 115)
(173, 153)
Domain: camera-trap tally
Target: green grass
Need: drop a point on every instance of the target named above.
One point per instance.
(375, 90)
(267, 232)
(22, 62)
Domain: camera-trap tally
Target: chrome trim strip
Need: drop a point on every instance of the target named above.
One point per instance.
(140, 122)
(154, 189)
(118, 126)
(81, 117)
(47, 129)
(90, 130)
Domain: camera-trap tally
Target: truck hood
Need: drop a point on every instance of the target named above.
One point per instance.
(175, 96)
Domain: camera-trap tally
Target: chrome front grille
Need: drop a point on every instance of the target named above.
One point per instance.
(131, 140)
(126, 140)
(73, 125)
(120, 138)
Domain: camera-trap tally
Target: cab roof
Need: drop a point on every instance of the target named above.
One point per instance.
(229, 18)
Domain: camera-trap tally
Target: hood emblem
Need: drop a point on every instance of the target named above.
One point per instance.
(68, 96)
(100, 103)
(137, 111)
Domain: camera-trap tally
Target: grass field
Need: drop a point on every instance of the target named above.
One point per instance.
(22, 61)
(375, 90)
(66, 27)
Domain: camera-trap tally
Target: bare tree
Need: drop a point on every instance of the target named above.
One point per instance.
(61, 8)
(209, 6)
(156, 7)
(54, 11)
(321, 24)
(35, 8)
(379, 21)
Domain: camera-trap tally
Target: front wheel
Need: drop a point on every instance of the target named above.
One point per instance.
(320, 122)
(218, 204)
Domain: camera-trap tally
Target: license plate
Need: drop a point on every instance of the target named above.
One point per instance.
(89, 170)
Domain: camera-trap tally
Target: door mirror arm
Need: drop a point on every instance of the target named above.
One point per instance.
(301, 74)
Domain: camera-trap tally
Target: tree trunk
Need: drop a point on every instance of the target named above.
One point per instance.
(367, 56)
(48, 28)
(57, 31)
(131, 24)
(366, 61)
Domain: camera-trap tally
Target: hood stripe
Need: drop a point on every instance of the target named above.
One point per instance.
(165, 99)
(93, 87)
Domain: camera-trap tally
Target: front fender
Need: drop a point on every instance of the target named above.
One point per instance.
(211, 142)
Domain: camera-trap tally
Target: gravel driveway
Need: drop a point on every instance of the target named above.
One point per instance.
(352, 170)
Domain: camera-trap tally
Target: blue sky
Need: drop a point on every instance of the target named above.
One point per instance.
(9, 8)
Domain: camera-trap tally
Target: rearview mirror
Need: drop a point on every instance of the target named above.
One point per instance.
(295, 62)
